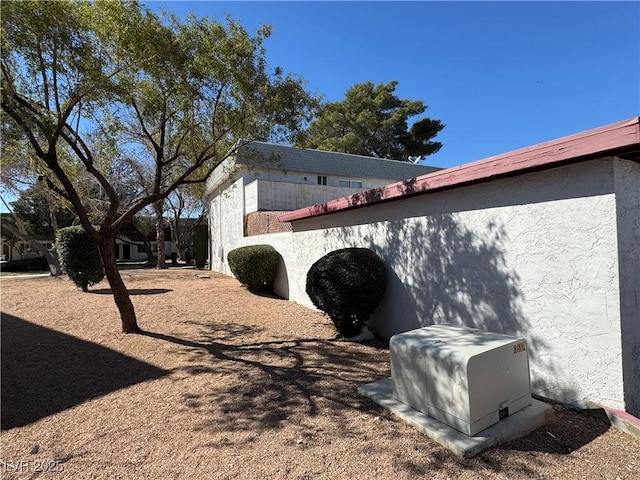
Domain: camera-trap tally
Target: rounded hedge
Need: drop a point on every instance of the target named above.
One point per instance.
(255, 266)
(347, 285)
(79, 257)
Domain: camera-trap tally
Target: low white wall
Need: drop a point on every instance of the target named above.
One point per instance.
(534, 255)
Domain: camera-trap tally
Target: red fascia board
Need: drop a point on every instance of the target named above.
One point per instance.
(581, 146)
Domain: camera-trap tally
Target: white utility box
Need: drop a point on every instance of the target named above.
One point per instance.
(466, 378)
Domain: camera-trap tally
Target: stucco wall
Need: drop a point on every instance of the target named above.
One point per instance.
(534, 255)
(272, 172)
(267, 195)
(226, 224)
(627, 186)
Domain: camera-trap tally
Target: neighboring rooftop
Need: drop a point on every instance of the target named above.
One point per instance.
(621, 139)
(331, 163)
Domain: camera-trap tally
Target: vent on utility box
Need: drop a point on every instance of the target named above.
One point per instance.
(466, 378)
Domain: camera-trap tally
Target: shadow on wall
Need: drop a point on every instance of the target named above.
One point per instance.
(442, 272)
(45, 372)
(281, 284)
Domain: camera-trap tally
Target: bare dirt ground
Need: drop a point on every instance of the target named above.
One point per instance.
(227, 384)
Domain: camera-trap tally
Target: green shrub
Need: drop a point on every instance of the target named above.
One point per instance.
(79, 257)
(347, 285)
(255, 266)
(200, 245)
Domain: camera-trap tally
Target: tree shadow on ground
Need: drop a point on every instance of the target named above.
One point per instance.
(272, 384)
(133, 291)
(45, 371)
(269, 381)
(567, 434)
(571, 431)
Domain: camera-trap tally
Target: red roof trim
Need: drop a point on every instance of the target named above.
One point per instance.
(601, 141)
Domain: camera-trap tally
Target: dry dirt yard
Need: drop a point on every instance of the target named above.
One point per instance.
(227, 384)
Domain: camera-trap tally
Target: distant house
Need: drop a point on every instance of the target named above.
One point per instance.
(134, 249)
(127, 249)
(248, 192)
(16, 249)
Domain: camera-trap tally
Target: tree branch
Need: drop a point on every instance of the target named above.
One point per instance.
(43, 73)
(51, 186)
(142, 124)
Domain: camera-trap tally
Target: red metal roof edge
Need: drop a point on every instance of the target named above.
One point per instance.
(584, 145)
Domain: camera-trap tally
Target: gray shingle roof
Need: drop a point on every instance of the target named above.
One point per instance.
(329, 163)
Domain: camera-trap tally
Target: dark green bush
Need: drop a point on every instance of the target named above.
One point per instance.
(255, 266)
(35, 264)
(200, 245)
(79, 257)
(347, 285)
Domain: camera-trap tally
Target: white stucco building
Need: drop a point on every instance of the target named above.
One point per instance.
(263, 177)
(542, 242)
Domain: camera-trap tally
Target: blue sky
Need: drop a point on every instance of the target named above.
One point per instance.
(500, 75)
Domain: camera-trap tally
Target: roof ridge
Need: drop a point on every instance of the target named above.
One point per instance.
(365, 157)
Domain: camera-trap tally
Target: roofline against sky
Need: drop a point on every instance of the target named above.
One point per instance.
(611, 139)
(344, 154)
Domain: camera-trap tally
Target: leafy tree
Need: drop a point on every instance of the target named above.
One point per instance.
(36, 210)
(120, 89)
(373, 121)
(40, 214)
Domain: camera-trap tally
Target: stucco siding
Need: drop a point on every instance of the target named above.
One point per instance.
(627, 187)
(251, 195)
(291, 196)
(226, 217)
(273, 173)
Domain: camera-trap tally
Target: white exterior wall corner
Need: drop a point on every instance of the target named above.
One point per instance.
(627, 188)
(226, 219)
(534, 255)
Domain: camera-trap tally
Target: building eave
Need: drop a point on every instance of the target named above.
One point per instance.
(620, 139)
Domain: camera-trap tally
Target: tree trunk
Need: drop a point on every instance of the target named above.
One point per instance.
(53, 219)
(118, 288)
(53, 261)
(148, 249)
(159, 210)
(182, 251)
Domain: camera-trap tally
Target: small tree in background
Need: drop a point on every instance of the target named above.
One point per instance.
(201, 244)
(79, 257)
(347, 285)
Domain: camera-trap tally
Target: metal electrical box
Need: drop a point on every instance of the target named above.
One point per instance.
(466, 378)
